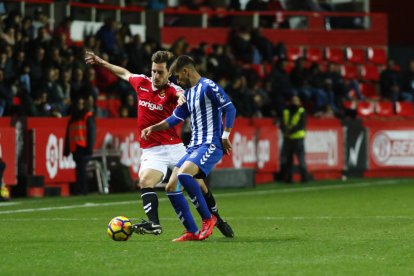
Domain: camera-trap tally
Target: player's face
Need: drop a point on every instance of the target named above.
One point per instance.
(183, 79)
(159, 74)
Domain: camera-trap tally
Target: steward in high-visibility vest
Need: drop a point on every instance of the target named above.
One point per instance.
(80, 140)
(293, 126)
(78, 132)
(293, 123)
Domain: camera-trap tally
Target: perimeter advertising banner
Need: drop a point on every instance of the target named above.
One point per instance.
(48, 145)
(324, 146)
(8, 153)
(391, 148)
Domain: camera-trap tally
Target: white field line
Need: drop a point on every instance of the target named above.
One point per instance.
(229, 218)
(237, 194)
(2, 204)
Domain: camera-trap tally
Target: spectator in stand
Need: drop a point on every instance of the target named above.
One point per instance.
(77, 82)
(280, 87)
(6, 64)
(107, 37)
(135, 53)
(263, 45)
(234, 5)
(6, 96)
(240, 96)
(37, 67)
(64, 29)
(28, 31)
(65, 84)
(91, 43)
(41, 105)
(40, 21)
(54, 90)
(105, 80)
(221, 64)
(408, 81)
(239, 41)
(299, 77)
(260, 98)
(179, 47)
(390, 82)
(129, 109)
(256, 5)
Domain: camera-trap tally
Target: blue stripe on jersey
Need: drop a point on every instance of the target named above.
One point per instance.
(204, 102)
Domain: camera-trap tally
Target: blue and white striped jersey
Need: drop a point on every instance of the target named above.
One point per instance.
(205, 101)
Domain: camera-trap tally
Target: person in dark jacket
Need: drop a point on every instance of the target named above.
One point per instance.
(80, 140)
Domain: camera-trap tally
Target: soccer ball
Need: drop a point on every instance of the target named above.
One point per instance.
(119, 228)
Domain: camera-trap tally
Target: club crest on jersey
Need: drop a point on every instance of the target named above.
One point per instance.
(143, 89)
(150, 106)
(161, 94)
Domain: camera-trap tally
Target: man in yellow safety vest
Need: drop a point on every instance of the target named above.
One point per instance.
(293, 126)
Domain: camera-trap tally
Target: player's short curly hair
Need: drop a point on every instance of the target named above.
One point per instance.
(163, 57)
(181, 62)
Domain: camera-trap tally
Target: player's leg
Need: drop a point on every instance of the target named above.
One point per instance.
(180, 205)
(152, 171)
(222, 225)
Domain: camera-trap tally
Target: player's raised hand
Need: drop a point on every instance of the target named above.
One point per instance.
(226, 146)
(91, 58)
(146, 132)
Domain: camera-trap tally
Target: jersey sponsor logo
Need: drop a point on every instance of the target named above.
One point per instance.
(150, 106)
(206, 155)
(143, 89)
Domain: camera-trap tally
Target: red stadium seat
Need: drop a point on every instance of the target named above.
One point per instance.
(350, 105)
(385, 109)
(365, 109)
(355, 55)
(293, 53)
(289, 65)
(335, 55)
(369, 90)
(350, 71)
(405, 109)
(369, 72)
(314, 55)
(377, 55)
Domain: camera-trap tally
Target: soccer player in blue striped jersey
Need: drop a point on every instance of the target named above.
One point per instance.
(206, 103)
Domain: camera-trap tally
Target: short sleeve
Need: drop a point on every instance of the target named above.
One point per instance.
(135, 79)
(181, 112)
(217, 95)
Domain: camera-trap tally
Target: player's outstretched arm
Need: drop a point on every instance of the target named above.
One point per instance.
(91, 58)
(163, 125)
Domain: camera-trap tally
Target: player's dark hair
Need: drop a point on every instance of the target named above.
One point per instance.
(163, 57)
(181, 62)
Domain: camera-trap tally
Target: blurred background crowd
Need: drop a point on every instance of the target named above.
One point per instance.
(42, 70)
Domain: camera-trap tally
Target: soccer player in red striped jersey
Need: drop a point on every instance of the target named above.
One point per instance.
(157, 98)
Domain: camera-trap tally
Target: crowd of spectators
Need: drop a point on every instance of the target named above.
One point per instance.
(42, 71)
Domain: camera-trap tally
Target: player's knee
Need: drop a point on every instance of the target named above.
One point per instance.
(146, 183)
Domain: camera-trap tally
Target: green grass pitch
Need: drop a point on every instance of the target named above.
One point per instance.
(357, 227)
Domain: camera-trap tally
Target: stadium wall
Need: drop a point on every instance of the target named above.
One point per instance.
(371, 148)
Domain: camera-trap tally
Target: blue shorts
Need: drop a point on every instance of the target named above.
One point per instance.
(205, 156)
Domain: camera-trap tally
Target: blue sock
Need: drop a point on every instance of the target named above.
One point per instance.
(182, 210)
(196, 196)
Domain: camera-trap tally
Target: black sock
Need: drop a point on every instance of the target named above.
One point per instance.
(150, 203)
(211, 203)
